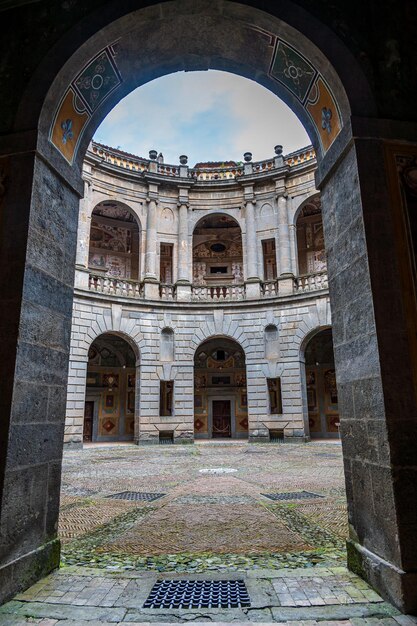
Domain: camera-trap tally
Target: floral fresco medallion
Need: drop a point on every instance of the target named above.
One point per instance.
(323, 109)
(291, 69)
(96, 81)
(92, 85)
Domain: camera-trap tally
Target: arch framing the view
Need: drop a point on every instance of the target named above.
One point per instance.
(45, 187)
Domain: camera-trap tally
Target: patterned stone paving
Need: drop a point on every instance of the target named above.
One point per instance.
(328, 586)
(209, 525)
(85, 596)
(211, 513)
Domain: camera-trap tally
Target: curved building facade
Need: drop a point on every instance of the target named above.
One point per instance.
(201, 303)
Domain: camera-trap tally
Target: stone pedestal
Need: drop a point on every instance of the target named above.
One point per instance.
(286, 285)
(183, 292)
(253, 290)
(151, 289)
(82, 276)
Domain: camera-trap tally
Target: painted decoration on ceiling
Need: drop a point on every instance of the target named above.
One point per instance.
(90, 88)
(322, 108)
(290, 68)
(69, 124)
(100, 77)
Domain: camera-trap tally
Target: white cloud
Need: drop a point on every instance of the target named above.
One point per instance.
(207, 115)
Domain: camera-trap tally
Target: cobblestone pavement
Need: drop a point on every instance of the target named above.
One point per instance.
(214, 522)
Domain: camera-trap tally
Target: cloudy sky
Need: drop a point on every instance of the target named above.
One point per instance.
(210, 116)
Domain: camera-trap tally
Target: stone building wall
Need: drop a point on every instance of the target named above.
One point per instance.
(245, 324)
(266, 205)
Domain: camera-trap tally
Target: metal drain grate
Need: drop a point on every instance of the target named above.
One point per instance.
(136, 495)
(197, 594)
(292, 495)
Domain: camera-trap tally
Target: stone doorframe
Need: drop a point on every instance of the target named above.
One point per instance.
(93, 397)
(232, 413)
(368, 268)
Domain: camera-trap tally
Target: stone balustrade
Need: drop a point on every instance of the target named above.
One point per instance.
(217, 293)
(263, 166)
(167, 292)
(311, 282)
(213, 174)
(134, 163)
(300, 156)
(115, 286)
(269, 288)
(112, 286)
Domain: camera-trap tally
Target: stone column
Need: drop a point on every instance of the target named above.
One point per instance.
(252, 274)
(284, 245)
(184, 261)
(251, 256)
(38, 247)
(74, 415)
(84, 224)
(285, 267)
(151, 249)
(374, 321)
(83, 239)
(151, 279)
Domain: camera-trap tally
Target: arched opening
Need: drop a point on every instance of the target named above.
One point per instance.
(110, 391)
(220, 396)
(114, 241)
(217, 252)
(57, 109)
(310, 239)
(321, 388)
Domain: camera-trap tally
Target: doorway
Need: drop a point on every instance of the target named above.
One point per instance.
(220, 394)
(322, 399)
(222, 419)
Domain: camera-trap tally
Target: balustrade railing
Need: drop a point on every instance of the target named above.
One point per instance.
(218, 173)
(311, 282)
(115, 286)
(269, 288)
(206, 293)
(167, 292)
(222, 172)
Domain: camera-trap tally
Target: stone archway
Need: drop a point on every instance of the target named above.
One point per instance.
(217, 253)
(54, 120)
(114, 241)
(220, 394)
(110, 391)
(322, 412)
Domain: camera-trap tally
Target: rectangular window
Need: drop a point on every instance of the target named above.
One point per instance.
(166, 253)
(166, 397)
(220, 380)
(217, 269)
(270, 259)
(275, 397)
